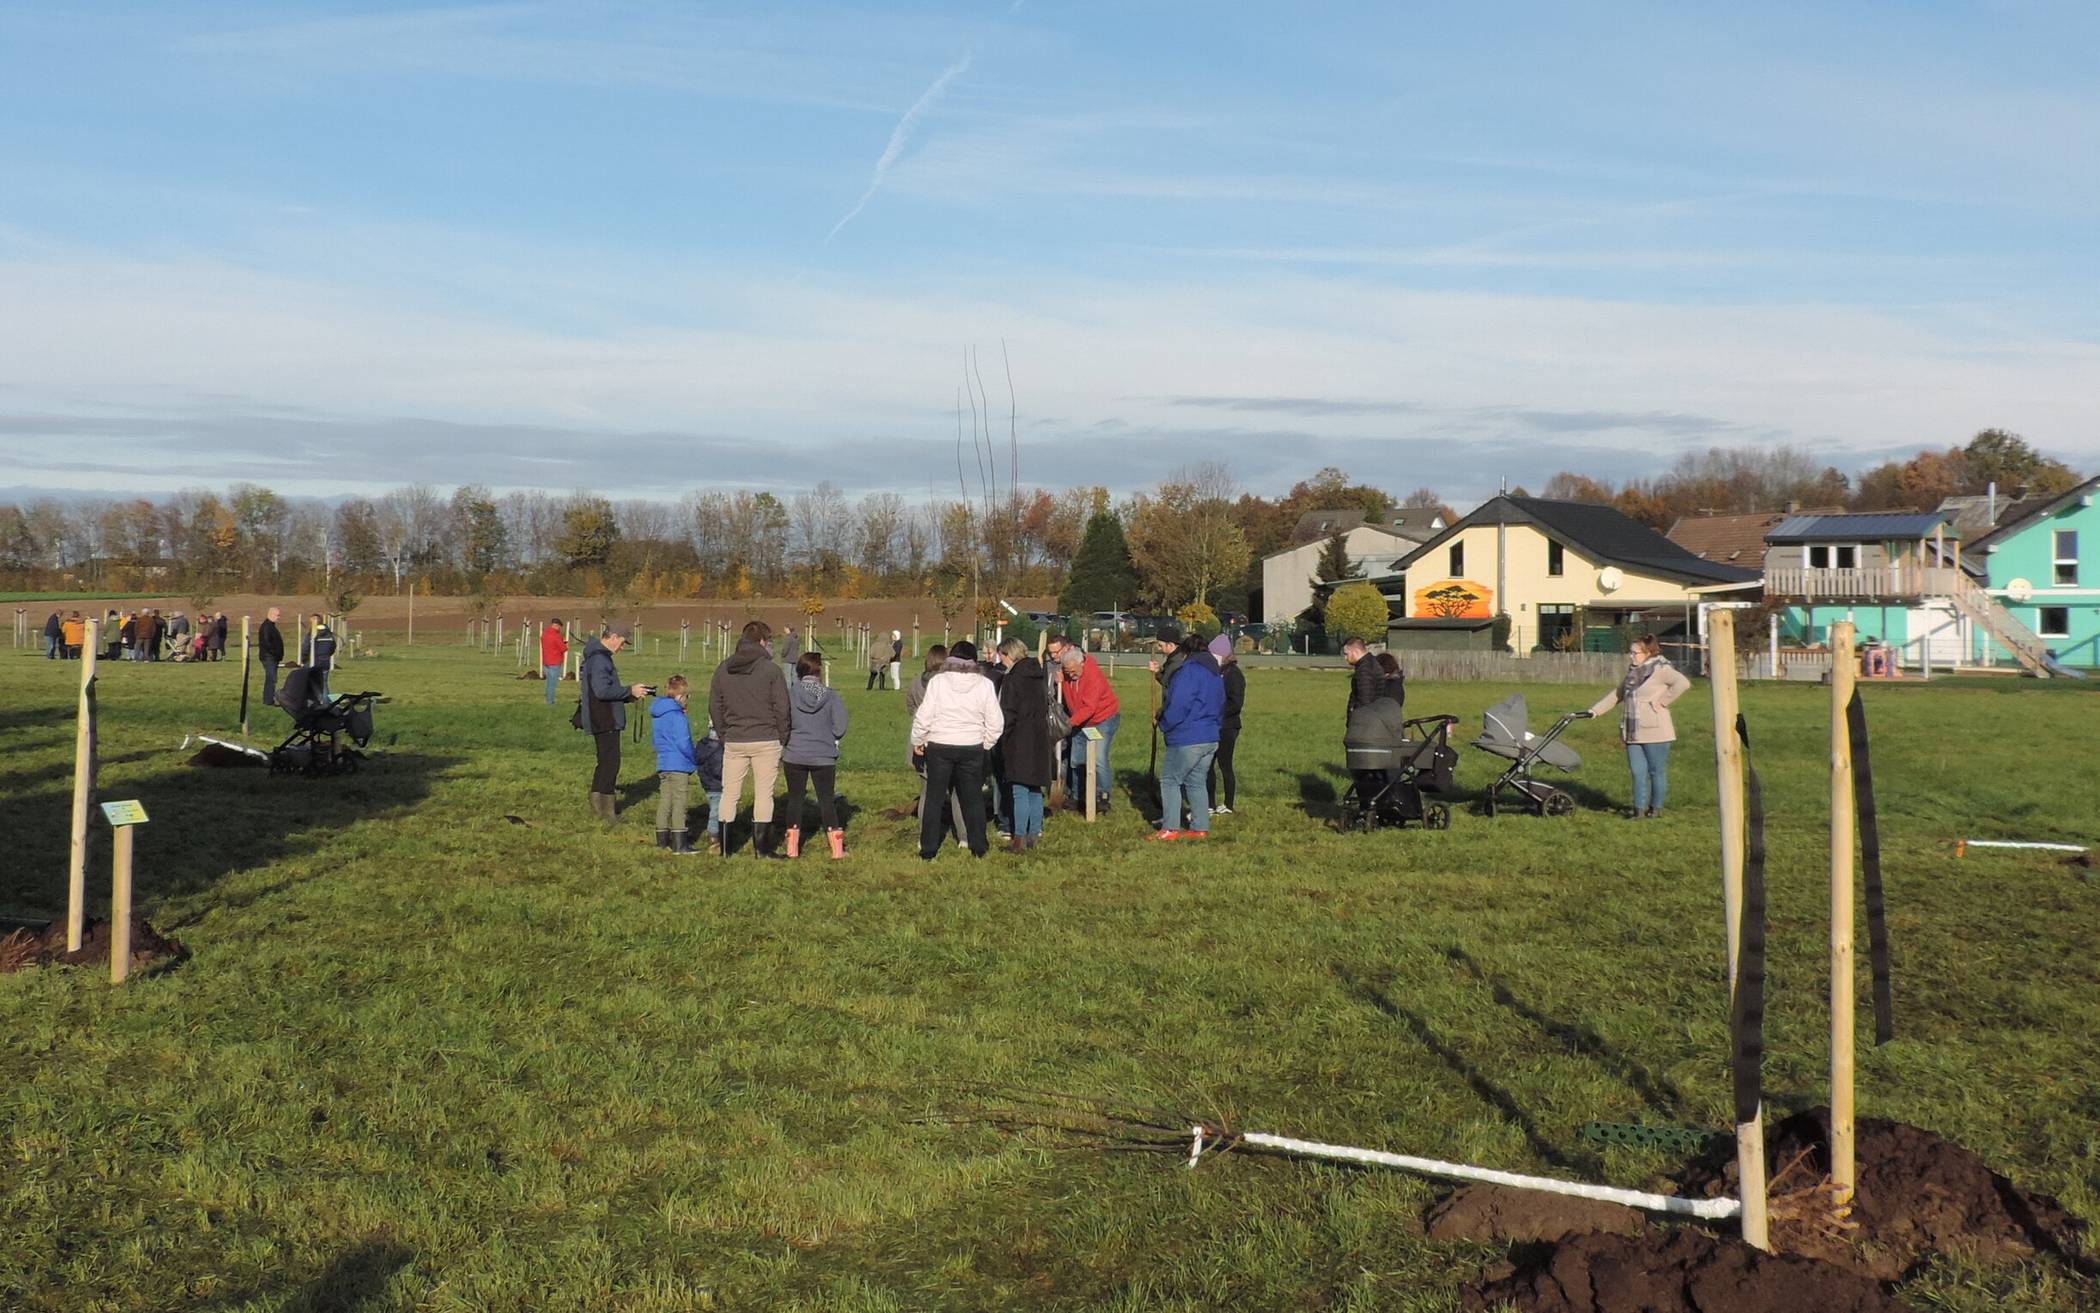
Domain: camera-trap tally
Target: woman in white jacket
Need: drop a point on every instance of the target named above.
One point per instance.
(954, 729)
(1643, 697)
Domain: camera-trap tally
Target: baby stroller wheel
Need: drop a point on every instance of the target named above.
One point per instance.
(1352, 818)
(1487, 804)
(1558, 803)
(1437, 817)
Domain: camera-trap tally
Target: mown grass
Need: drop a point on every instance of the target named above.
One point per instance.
(426, 1057)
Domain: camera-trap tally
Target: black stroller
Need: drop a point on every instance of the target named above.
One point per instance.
(328, 734)
(1386, 784)
(1503, 733)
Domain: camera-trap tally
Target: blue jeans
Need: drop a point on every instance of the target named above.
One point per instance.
(51, 647)
(1650, 764)
(1181, 773)
(1027, 811)
(1075, 761)
(714, 807)
(553, 674)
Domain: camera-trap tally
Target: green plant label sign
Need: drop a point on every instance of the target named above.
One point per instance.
(124, 813)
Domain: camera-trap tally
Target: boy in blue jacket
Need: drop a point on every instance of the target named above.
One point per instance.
(676, 763)
(1189, 719)
(708, 752)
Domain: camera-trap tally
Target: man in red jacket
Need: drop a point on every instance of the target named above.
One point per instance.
(1091, 704)
(554, 654)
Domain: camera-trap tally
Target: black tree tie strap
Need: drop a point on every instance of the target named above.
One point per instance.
(1870, 862)
(1746, 1013)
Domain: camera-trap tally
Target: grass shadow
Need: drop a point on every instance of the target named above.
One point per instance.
(1317, 796)
(1496, 1097)
(354, 1283)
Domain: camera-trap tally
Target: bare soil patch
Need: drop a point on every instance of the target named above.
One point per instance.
(26, 948)
(1673, 1270)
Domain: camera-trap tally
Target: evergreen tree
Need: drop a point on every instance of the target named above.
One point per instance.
(1102, 576)
(1335, 564)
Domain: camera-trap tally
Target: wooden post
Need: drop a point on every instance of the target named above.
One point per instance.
(245, 620)
(1093, 774)
(120, 905)
(1843, 670)
(915, 635)
(411, 613)
(83, 788)
(1728, 760)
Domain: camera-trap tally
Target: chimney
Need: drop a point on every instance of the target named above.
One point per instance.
(1793, 507)
(1990, 502)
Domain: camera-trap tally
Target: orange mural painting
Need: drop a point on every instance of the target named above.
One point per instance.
(1455, 599)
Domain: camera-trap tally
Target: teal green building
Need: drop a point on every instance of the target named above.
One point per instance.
(2033, 563)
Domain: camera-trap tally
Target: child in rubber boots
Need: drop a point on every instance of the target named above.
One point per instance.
(708, 752)
(676, 764)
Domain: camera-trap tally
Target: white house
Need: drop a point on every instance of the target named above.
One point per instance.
(1287, 576)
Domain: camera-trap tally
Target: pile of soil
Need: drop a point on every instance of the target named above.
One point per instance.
(1498, 1214)
(1918, 1195)
(24, 948)
(220, 757)
(1673, 1270)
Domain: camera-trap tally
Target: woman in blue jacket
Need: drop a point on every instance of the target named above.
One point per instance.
(1189, 718)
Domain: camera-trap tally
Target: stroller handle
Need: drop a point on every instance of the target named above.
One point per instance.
(1432, 720)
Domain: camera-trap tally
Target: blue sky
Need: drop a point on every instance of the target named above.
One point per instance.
(667, 245)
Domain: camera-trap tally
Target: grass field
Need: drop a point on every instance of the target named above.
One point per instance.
(424, 1057)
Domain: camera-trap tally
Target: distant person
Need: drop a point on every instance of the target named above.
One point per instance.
(54, 635)
(317, 648)
(128, 637)
(554, 654)
(112, 636)
(879, 659)
(218, 636)
(676, 763)
(178, 632)
(269, 649)
(157, 631)
(708, 754)
(601, 712)
(817, 718)
(1228, 728)
(1090, 704)
(790, 648)
(1189, 716)
(1024, 742)
(954, 729)
(73, 634)
(747, 702)
(896, 659)
(1643, 697)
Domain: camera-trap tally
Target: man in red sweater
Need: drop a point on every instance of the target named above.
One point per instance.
(1091, 704)
(554, 654)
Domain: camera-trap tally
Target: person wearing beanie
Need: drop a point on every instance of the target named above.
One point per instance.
(1188, 720)
(1228, 728)
(601, 712)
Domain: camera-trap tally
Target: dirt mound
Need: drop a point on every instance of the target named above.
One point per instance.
(220, 757)
(48, 947)
(1498, 1214)
(1918, 1195)
(1676, 1270)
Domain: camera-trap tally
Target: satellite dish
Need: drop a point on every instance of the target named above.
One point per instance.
(1609, 578)
(2019, 590)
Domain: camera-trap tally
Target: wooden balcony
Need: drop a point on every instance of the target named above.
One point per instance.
(1899, 582)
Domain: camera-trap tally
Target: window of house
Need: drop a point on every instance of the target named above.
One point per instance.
(1556, 559)
(2055, 622)
(2067, 558)
(1458, 560)
(1557, 627)
(1845, 556)
(1818, 557)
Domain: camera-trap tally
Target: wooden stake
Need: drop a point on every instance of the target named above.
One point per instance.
(411, 613)
(1843, 673)
(120, 905)
(83, 788)
(1728, 760)
(245, 621)
(1093, 768)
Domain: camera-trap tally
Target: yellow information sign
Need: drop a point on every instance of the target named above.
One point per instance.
(124, 813)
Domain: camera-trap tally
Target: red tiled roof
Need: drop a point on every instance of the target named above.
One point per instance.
(1727, 539)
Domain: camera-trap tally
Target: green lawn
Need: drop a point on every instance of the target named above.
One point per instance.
(424, 1057)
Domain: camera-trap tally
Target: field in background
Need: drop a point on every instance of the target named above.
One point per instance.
(442, 1044)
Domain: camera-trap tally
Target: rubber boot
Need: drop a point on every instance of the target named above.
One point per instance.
(762, 842)
(681, 845)
(663, 838)
(838, 843)
(794, 841)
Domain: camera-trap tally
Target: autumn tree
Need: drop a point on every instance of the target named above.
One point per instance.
(588, 533)
(1357, 611)
(1183, 538)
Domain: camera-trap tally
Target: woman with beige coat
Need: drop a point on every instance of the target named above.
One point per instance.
(1643, 698)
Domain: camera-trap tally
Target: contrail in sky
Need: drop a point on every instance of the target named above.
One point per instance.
(898, 136)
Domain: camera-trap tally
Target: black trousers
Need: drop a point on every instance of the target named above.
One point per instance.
(961, 768)
(606, 779)
(875, 674)
(1228, 739)
(827, 779)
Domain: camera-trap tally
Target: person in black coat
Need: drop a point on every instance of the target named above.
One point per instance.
(1024, 745)
(218, 637)
(54, 634)
(1228, 727)
(269, 649)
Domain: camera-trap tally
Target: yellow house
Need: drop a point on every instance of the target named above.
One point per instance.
(1550, 566)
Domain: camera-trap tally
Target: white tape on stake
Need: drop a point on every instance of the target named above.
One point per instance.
(1716, 1210)
(1963, 845)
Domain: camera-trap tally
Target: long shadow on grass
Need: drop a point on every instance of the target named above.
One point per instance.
(1317, 796)
(206, 825)
(1655, 1091)
(353, 1283)
(1501, 1100)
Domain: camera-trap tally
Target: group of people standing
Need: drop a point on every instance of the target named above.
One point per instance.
(142, 635)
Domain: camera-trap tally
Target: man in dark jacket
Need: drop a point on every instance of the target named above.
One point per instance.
(218, 636)
(602, 713)
(317, 648)
(1024, 747)
(1366, 681)
(269, 649)
(747, 703)
(54, 630)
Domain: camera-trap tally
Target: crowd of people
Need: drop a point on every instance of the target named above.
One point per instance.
(141, 635)
(987, 736)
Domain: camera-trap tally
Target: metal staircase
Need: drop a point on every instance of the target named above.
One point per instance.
(2003, 626)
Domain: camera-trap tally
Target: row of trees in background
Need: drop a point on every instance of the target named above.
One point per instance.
(1194, 541)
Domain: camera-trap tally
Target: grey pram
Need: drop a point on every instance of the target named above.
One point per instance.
(1504, 733)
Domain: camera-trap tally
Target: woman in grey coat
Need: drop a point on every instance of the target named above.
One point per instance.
(1643, 697)
(817, 723)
